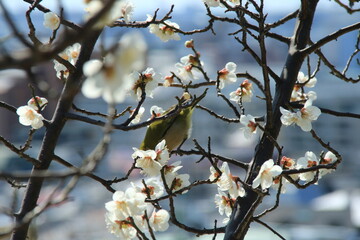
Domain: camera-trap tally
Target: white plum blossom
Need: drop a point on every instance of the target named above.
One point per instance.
(227, 74)
(127, 9)
(70, 54)
(156, 111)
(164, 32)
(151, 161)
(250, 125)
(266, 175)
(61, 71)
(329, 158)
(288, 118)
(51, 20)
(302, 118)
(73, 52)
(153, 189)
(162, 152)
(306, 115)
(224, 203)
(159, 220)
(185, 68)
(304, 79)
(243, 93)
(146, 160)
(180, 181)
(149, 78)
(37, 101)
(111, 78)
(168, 80)
(138, 116)
(120, 228)
(276, 183)
(226, 181)
(309, 160)
(175, 180)
(126, 204)
(120, 9)
(28, 116)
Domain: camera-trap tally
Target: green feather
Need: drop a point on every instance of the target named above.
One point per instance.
(175, 129)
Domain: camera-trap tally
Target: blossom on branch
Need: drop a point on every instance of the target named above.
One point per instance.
(123, 229)
(156, 111)
(305, 80)
(51, 20)
(225, 203)
(70, 54)
(302, 118)
(187, 67)
(37, 102)
(159, 220)
(309, 160)
(227, 75)
(148, 80)
(329, 158)
(243, 93)
(138, 116)
(250, 125)
(28, 116)
(165, 31)
(151, 161)
(226, 181)
(153, 188)
(126, 204)
(174, 180)
(266, 174)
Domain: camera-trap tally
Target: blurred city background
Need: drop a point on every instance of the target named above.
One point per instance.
(329, 210)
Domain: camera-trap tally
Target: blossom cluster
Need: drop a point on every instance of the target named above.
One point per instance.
(229, 189)
(307, 114)
(269, 174)
(165, 31)
(70, 54)
(128, 210)
(303, 80)
(307, 161)
(304, 117)
(29, 115)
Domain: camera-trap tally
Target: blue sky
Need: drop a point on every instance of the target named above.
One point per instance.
(149, 6)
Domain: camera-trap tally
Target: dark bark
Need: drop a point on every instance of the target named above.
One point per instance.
(52, 134)
(244, 208)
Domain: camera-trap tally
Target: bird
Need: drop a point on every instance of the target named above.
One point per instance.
(175, 129)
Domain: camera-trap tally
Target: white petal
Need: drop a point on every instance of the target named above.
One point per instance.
(91, 88)
(256, 181)
(231, 66)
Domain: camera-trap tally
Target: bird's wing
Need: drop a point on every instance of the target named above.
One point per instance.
(156, 132)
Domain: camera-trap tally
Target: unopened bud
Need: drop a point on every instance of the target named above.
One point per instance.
(189, 44)
(186, 96)
(168, 81)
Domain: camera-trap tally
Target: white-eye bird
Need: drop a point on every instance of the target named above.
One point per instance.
(174, 129)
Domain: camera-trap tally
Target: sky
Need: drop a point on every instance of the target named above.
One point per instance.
(150, 6)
